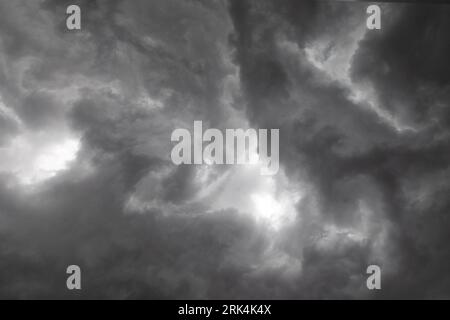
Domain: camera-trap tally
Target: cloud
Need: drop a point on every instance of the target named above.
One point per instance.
(350, 152)
(364, 166)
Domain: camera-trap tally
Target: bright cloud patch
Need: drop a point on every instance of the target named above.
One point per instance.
(32, 162)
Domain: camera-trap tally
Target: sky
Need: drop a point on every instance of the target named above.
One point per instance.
(86, 177)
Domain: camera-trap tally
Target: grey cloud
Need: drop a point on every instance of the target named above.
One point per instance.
(342, 147)
(137, 225)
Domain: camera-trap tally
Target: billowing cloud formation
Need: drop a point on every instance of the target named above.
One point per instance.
(85, 170)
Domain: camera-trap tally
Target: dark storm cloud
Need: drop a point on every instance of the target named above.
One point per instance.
(411, 37)
(346, 151)
(409, 68)
(133, 221)
(81, 216)
(136, 256)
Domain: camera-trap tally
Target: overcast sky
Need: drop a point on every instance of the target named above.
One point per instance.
(85, 171)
